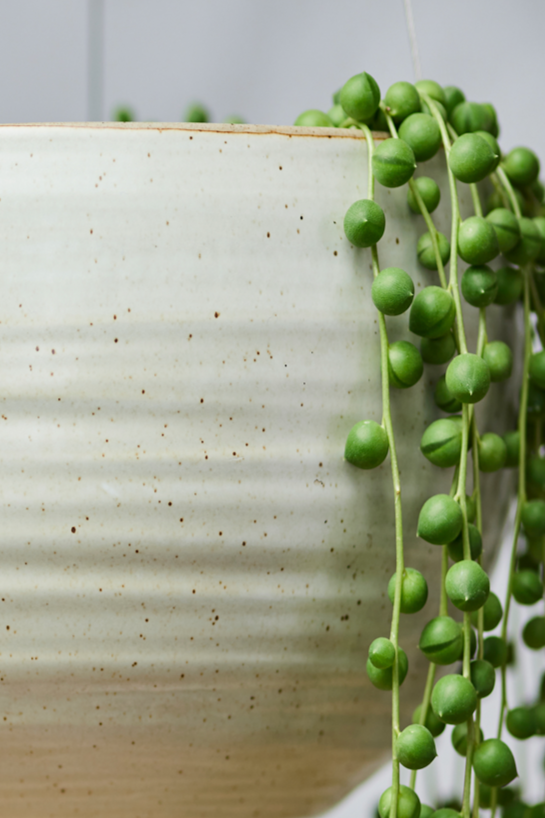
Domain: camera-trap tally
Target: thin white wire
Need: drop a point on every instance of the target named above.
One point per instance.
(409, 18)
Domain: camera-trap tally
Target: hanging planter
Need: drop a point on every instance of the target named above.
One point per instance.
(191, 571)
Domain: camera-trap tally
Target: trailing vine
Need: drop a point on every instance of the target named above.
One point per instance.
(421, 119)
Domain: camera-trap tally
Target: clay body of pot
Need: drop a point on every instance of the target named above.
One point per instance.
(191, 573)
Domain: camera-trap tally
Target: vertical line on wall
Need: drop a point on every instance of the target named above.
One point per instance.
(409, 19)
(95, 59)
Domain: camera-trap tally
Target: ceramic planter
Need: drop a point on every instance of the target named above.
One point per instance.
(191, 574)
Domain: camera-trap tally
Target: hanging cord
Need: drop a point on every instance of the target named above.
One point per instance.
(412, 39)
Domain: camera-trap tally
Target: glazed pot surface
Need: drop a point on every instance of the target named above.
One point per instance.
(191, 572)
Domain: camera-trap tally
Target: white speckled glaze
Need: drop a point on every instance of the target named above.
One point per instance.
(191, 574)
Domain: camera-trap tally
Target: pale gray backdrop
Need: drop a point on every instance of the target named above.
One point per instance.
(268, 61)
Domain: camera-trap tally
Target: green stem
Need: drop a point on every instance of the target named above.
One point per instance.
(454, 288)
(424, 211)
(394, 631)
(482, 337)
(432, 231)
(476, 743)
(466, 810)
(453, 277)
(493, 802)
(472, 187)
(391, 126)
(427, 692)
(498, 187)
(461, 492)
(370, 176)
(452, 133)
(538, 309)
(476, 200)
(443, 603)
(508, 187)
(521, 494)
(481, 340)
(443, 611)
(425, 706)
(387, 421)
(462, 479)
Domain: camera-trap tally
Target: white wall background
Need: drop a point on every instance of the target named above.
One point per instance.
(269, 61)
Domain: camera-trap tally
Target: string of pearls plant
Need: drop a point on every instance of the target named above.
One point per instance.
(421, 119)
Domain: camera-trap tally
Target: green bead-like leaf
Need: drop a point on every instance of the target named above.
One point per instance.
(459, 738)
(495, 651)
(432, 313)
(443, 398)
(426, 253)
(415, 747)
(537, 369)
(421, 132)
(453, 96)
(506, 227)
(434, 725)
(521, 722)
(477, 241)
(414, 591)
(367, 445)
(492, 613)
(382, 653)
(510, 284)
(526, 587)
(467, 585)
(401, 100)
(533, 517)
(456, 547)
(430, 194)
(512, 444)
(438, 350)
(471, 158)
(442, 640)
(454, 699)
(499, 359)
(483, 677)
(408, 803)
(431, 89)
(393, 163)
(196, 113)
(314, 118)
(533, 634)
(364, 223)
(360, 96)
(493, 763)
(383, 678)
(468, 378)
(468, 117)
(441, 443)
(405, 366)
(440, 520)
(522, 166)
(479, 286)
(337, 115)
(492, 452)
(529, 246)
(392, 291)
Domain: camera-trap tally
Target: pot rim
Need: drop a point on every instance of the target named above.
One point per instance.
(210, 127)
